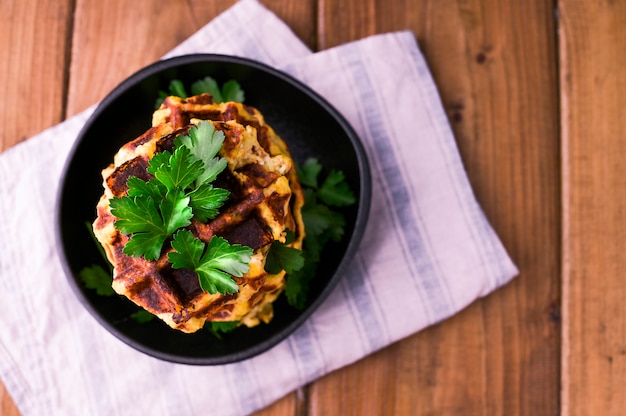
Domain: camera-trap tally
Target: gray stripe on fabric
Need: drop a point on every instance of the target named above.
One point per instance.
(398, 198)
(346, 291)
(359, 281)
(478, 227)
(307, 351)
(294, 356)
(241, 380)
(230, 375)
(388, 203)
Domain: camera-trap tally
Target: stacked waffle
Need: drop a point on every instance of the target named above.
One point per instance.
(264, 204)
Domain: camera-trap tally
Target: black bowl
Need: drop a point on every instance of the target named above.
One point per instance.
(310, 126)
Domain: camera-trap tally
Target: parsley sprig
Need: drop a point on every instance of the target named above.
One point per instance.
(230, 90)
(95, 276)
(154, 211)
(322, 222)
(282, 257)
(214, 263)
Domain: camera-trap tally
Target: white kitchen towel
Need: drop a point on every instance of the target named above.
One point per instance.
(427, 253)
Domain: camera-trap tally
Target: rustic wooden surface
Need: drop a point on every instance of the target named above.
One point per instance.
(534, 91)
(593, 95)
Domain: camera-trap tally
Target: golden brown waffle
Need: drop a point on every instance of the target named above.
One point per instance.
(266, 199)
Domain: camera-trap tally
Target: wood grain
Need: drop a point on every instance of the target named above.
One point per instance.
(33, 48)
(7, 407)
(112, 40)
(537, 118)
(592, 59)
(33, 52)
(495, 66)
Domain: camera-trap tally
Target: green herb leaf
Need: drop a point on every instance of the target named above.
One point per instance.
(219, 328)
(177, 88)
(204, 142)
(298, 283)
(282, 257)
(180, 171)
(335, 191)
(138, 187)
(95, 277)
(230, 91)
(142, 316)
(209, 86)
(214, 262)
(153, 210)
(320, 219)
(308, 173)
(206, 200)
(322, 224)
(149, 224)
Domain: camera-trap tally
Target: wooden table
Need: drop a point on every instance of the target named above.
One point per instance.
(534, 91)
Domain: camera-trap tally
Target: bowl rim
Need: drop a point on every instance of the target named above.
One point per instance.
(362, 214)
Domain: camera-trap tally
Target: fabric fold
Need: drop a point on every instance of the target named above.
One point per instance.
(427, 253)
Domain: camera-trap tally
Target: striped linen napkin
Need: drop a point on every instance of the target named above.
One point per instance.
(427, 253)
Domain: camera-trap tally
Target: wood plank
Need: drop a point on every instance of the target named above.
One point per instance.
(495, 66)
(33, 48)
(7, 407)
(113, 40)
(33, 45)
(300, 16)
(592, 59)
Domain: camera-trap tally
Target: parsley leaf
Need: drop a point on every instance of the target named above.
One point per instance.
(204, 142)
(150, 224)
(319, 219)
(142, 316)
(207, 85)
(180, 171)
(230, 91)
(153, 188)
(214, 262)
(335, 191)
(177, 88)
(219, 328)
(153, 210)
(95, 277)
(322, 224)
(206, 200)
(298, 283)
(282, 257)
(309, 172)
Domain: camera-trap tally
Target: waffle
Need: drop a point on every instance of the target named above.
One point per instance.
(266, 199)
